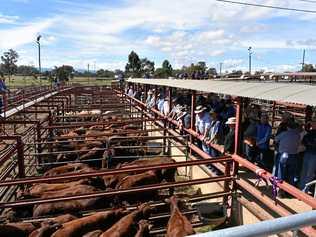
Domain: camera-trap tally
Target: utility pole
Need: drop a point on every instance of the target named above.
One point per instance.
(250, 54)
(39, 55)
(220, 69)
(89, 73)
(303, 62)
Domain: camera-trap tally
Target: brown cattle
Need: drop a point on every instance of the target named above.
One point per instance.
(69, 169)
(79, 227)
(45, 231)
(62, 219)
(143, 229)
(38, 190)
(136, 180)
(68, 206)
(95, 233)
(51, 226)
(125, 227)
(16, 229)
(111, 181)
(178, 224)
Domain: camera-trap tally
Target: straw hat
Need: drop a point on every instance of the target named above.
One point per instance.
(200, 109)
(231, 121)
(213, 111)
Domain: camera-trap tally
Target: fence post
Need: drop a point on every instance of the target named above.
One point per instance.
(20, 156)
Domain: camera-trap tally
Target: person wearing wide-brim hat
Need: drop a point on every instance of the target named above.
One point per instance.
(202, 125)
(229, 143)
(215, 133)
(200, 109)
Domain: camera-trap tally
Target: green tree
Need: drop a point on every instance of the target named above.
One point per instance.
(133, 67)
(166, 66)
(308, 68)
(147, 67)
(201, 66)
(9, 60)
(165, 71)
(105, 73)
(64, 73)
(27, 70)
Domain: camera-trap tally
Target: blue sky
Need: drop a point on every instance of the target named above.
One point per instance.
(103, 32)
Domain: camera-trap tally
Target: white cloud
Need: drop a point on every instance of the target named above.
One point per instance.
(8, 19)
(232, 63)
(184, 31)
(21, 35)
(253, 28)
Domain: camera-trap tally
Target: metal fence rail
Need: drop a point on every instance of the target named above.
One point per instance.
(267, 228)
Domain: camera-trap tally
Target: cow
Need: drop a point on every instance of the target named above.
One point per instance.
(125, 227)
(178, 224)
(49, 227)
(69, 206)
(95, 233)
(17, 229)
(46, 230)
(143, 229)
(84, 225)
(168, 175)
(38, 190)
(69, 169)
(137, 180)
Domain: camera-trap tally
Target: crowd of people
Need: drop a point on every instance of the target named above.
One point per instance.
(288, 150)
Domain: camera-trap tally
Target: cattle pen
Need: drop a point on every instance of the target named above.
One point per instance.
(101, 132)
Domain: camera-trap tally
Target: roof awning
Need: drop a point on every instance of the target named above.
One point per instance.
(272, 91)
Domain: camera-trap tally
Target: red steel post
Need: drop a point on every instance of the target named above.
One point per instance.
(20, 156)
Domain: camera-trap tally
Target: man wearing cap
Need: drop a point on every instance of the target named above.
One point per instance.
(214, 134)
(202, 125)
(309, 162)
(229, 143)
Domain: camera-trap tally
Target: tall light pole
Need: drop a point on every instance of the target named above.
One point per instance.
(220, 69)
(250, 54)
(303, 62)
(39, 54)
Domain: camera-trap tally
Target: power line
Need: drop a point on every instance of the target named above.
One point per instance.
(309, 1)
(267, 6)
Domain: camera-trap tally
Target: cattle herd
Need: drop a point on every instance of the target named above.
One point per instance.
(84, 150)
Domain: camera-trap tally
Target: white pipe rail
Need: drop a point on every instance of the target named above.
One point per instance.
(17, 109)
(267, 228)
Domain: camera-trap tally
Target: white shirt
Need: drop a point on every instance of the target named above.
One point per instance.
(166, 107)
(130, 92)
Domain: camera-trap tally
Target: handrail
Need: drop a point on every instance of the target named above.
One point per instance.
(267, 228)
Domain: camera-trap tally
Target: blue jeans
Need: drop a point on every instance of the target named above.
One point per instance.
(213, 152)
(309, 169)
(1, 104)
(276, 164)
(262, 158)
(250, 152)
(288, 167)
(205, 148)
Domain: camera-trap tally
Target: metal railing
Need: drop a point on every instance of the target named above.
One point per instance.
(267, 228)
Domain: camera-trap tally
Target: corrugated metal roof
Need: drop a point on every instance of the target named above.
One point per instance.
(283, 92)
